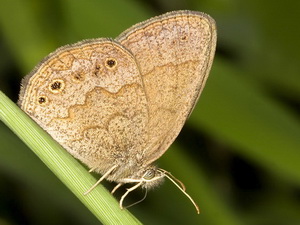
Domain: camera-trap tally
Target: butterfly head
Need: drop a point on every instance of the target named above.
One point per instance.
(152, 177)
(148, 177)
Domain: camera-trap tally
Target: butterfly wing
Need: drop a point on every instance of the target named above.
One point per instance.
(174, 53)
(90, 98)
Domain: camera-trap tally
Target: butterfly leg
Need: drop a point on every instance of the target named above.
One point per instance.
(92, 170)
(101, 179)
(128, 191)
(116, 187)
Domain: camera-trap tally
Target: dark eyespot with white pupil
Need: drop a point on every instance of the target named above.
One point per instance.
(111, 63)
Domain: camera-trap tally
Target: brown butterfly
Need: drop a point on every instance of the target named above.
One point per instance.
(117, 105)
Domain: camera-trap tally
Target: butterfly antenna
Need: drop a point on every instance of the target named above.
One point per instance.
(181, 187)
(174, 178)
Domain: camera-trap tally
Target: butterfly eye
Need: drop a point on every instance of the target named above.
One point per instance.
(150, 174)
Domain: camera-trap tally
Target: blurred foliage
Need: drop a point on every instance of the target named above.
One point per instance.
(238, 154)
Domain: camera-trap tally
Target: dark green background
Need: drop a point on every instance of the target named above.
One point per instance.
(238, 154)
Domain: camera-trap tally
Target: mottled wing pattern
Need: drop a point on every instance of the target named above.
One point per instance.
(174, 53)
(90, 98)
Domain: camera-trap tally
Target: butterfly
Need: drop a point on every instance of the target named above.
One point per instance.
(118, 104)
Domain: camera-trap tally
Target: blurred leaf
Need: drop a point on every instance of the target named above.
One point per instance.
(237, 111)
(94, 19)
(20, 27)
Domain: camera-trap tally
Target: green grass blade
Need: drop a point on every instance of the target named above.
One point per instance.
(64, 166)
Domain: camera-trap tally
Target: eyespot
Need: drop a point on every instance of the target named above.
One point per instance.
(56, 86)
(149, 174)
(42, 100)
(110, 63)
